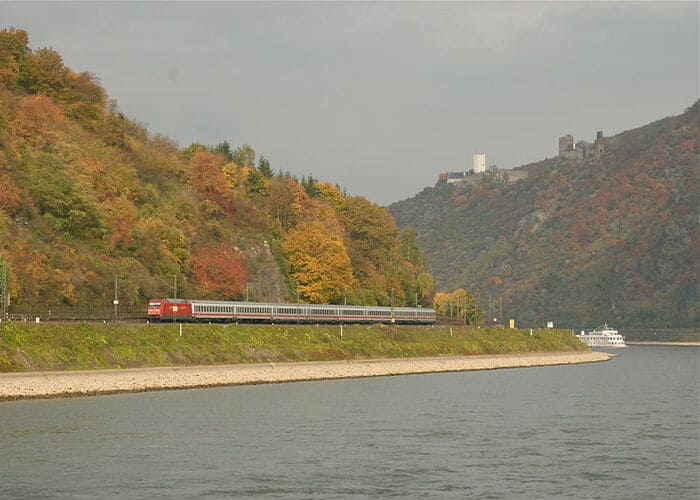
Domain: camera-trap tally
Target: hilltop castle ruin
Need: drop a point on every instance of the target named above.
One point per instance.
(582, 150)
(479, 173)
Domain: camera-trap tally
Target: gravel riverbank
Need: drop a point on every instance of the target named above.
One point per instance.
(83, 383)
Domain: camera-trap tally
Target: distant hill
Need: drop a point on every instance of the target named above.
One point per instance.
(92, 204)
(579, 242)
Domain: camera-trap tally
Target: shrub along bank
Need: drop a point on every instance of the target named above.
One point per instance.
(33, 347)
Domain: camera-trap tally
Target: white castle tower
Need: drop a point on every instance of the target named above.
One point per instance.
(479, 163)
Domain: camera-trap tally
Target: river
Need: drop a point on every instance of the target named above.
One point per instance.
(626, 428)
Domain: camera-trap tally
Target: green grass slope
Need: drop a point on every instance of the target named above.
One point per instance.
(31, 347)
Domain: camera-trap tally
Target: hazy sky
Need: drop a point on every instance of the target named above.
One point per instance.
(380, 97)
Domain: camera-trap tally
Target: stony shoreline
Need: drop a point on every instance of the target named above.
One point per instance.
(29, 385)
(650, 342)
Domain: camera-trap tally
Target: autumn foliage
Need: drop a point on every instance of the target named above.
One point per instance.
(459, 304)
(220, 271)
(89, 196)
(318, 264)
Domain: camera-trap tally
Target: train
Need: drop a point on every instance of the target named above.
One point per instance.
(210, 311)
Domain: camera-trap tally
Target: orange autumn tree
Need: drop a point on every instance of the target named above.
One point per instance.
(318, 263)
(9, 193)
(220, 271)
(208, 179)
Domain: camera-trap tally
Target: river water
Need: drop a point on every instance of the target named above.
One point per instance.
(626, 428)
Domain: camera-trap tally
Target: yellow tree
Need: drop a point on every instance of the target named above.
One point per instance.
(318, 262)
(441, 303)
(329, 192)
(460, 304)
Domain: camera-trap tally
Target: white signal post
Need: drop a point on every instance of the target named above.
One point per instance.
(116, 298)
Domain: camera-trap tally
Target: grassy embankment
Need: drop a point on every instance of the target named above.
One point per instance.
(32, 347)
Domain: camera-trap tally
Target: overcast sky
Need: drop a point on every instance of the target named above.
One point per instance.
(380, 97)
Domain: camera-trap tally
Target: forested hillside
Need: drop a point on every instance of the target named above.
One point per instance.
(90, 199)
(578, 242)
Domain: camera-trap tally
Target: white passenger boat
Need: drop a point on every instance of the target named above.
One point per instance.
(604, 336)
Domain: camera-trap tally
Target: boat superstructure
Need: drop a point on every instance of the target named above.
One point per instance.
(604, 336)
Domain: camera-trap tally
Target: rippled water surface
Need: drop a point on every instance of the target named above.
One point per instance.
(627, 428)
